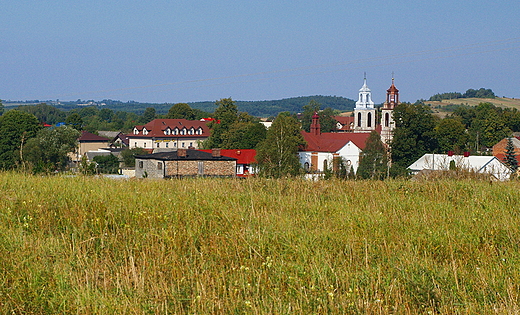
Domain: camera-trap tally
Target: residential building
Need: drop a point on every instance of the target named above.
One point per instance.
(88, 142)
(184, 163)
(499, 149)
(169, 133)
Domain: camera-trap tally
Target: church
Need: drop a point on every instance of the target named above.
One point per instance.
(323, 148)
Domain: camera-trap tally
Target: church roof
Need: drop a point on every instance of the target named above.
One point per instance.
(333, 142)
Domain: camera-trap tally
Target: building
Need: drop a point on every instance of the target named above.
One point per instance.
(169, 133)
(387, 113)
(364, 112)
(478, 164)
(322, 148)
(499, 149)
(184, 163)
(88, 142)
(245, 160)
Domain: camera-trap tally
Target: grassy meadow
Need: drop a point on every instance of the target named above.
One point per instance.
(224, 246)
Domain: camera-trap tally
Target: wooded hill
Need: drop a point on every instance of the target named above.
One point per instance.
(255, 108)
(445, 107)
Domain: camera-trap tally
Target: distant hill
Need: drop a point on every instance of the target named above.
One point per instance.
(255, 108)
(444, 107)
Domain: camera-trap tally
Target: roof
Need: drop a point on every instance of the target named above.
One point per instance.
(157, 127)
(243, 156)
(90, 137)
(345, 121)
(333, 141)
(191, 155)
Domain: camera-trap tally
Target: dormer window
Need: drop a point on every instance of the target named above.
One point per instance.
(136, 131)
(183, 131)
(192, 131)
(145, 132)
(176, 131)
(199, 131)
(167, 131)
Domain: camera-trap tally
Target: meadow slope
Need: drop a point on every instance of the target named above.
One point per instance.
(219, 246)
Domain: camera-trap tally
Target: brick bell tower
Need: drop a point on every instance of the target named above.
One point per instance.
(387, 120)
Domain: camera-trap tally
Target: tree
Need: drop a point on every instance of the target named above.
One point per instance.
(148, 115)
(510, 156)
(49, 150)
(45, 113)
(373, 163)
(128, 155)
(16, 128)
(1, 108)
(75, 121)
(225, 116)
(451, 135)
(181, 111)
(414, 135)
(488, 127)
(277, 155)
(107, 164)
(327, 121)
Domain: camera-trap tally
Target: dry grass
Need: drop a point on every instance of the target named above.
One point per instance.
(219, 246)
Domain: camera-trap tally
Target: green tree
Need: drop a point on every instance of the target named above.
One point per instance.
(225, 116)
(373, 163)
(16, 128)
(75, 121)
(49, 150)
(510, 156)
(107, 164)
(451, 135)
(45, 113)
(277, 155)
(414, 135)
(148, 115)
(488, 127)
(181, 111)
(128, 155)
(244, 135)
(327, 121)
(1, 108)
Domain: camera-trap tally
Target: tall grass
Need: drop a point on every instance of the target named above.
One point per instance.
(219, 246)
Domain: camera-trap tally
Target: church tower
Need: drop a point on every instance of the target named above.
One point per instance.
(387, 119)
(364, 112)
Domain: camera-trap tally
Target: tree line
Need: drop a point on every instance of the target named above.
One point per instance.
(470, 93)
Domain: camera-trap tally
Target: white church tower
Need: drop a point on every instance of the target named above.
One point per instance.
(364, 112)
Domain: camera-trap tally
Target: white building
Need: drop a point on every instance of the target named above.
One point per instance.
(364, 112)
(479, 164)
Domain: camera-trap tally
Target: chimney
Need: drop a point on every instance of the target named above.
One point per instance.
(215, 153)
(181, 153)
(466, 154)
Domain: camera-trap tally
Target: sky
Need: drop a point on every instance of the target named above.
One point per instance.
(175, 51)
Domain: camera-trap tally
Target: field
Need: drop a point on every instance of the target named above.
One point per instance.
(504, 102)
(222, 246)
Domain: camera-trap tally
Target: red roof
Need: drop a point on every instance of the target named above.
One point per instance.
(345, 121)
(90, 137)
(243, 156)
(333, 141)
(156, 128)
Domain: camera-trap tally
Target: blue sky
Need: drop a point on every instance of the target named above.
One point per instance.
(201, 50)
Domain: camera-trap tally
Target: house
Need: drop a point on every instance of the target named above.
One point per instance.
(344, 123)
(184, 163)
(499, 149)
(88, 142)
(478, 164)
(322, 148)
(169, 133)
(245, 160)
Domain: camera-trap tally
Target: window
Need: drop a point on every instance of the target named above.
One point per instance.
(157, 144)
(175, 131)
(140, 164)
(182, 144)
(369, 120)
(191, 144)
(167, 144)
(159, 166)
(144, 145)
(359, 119)
(135, 144)
(387, 120)
(306, 166)
(325, 165)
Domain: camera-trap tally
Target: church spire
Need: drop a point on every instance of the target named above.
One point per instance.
(365, 96)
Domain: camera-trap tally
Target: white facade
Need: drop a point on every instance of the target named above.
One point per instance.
(168, 143)
(364, 112)
(479, 164)
(315, 161)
